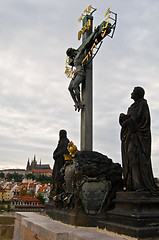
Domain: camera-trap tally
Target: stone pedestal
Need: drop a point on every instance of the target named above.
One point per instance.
(91, 181)
(136, 214)
(75, 218)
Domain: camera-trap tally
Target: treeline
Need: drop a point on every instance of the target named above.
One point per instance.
(41, 178)
(19, 177)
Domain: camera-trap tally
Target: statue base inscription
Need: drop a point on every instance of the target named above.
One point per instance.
(136, 214)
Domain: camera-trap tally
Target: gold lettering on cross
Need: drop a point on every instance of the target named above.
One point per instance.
(84, 28)
(86, 11)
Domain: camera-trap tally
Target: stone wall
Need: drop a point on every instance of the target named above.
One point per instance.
(6, 227)
(33, 226)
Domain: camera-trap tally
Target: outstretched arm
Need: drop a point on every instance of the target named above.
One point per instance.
(88, 42)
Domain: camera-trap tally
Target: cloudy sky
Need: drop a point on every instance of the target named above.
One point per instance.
(34, 101)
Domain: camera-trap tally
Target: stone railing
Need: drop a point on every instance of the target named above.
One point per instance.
(34, 226)
(6, 227)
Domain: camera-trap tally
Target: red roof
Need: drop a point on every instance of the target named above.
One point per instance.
(25, 199)
(42, 170)
(42, 189)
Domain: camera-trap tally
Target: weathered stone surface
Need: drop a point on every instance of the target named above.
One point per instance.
(89, 172)
(7, 231)
(6, 219)
(27, 234)
(136, 214)
(33, 226)
(36, 226)
(87, 234)
(91, 181)
(6, 227)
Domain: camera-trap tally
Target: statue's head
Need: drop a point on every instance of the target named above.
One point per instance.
(138, 93)
(62, 134)
(71, 52)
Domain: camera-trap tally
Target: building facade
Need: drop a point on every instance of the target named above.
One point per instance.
(38, 169)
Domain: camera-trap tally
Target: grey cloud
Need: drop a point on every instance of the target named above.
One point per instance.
(34, 100)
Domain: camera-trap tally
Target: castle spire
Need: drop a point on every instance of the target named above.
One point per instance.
(34, 158)
(28, 165)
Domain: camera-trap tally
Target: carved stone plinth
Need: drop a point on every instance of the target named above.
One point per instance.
(136, 214)
(75, 218)
(91, 181)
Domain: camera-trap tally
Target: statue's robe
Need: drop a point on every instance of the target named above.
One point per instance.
(58, 156)
(136, 149)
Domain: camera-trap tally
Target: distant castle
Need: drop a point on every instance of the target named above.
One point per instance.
(38, 169)
(34, 168)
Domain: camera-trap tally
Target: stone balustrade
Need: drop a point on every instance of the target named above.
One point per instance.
(34, 226)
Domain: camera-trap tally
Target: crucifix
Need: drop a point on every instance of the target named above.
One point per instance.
(82, 60)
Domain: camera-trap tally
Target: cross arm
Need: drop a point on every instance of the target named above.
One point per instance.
(99, 34)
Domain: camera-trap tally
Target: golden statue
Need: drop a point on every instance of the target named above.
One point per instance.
(72, 151)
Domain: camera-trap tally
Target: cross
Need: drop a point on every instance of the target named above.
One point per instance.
(82, 60)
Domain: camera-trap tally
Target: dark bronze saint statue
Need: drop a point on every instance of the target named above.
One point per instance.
(58, 156)
(136, 145)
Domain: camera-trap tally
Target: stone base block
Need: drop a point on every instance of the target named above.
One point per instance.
(74, 218)
(135, 214)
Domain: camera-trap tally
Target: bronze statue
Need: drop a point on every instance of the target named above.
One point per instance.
(79, 76)
(76, 56)
(58, 156)
(136, 145)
